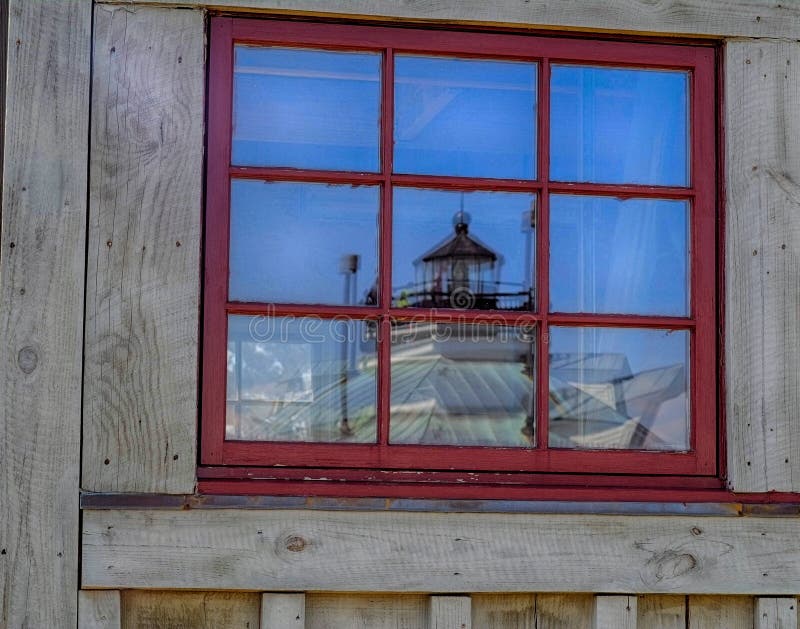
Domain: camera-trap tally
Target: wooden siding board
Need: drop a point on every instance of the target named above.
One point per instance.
(354, 551)
(376, 611)
(762, 133)
(450, 612)
(283, 611)
(141, 372)
(720, 612)
(615, 612)
(662, 612)
(195, 610)
(564, 611)
(504, 611)
(99, 609)
(42, 270)
(775, 613)
(743, 18)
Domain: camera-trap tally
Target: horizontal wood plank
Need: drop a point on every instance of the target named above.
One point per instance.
(143, 293)
(747, 18)
(429, 552)
(762, 103)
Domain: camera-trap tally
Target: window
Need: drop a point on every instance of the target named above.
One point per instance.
(445, 255)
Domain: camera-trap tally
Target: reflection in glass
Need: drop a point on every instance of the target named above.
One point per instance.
(619, 126)
(613, 256)
(615, 388)
(465, 117)
(303, 243)
(462, 384)
(306, 108)
(463, 249)
(301, 379)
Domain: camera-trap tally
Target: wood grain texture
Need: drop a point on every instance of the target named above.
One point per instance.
(504, 611)
(373, 611)
(42, 264)
(661, 612)
(720, 612)
(283, 611)
(614, 612)
(762, 105)
(747, 18)
(141, 373)
(431, 552)
(99, 609)
(564, 611)
(775, 613)
(450, 612)
(195, 610)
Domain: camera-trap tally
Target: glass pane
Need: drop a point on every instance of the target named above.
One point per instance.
(615, 388)
(301, 379)
(619, 126)
(306, 108)
(614, 256)
(303, 243)
(463, 249)
(462, 384)
(471, 118)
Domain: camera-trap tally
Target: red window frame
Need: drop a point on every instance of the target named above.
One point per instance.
(362, 467)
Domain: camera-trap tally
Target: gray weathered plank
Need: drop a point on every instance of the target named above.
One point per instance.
(99, 609)
(198, 610)
(775, 613)
(450, 612)
(662, 612)
(720, 612)
(564, 611)
(376, 611)
(42, 269)
(283, 611)
(747, 18)
(762, 104)
(614, 612)
(504, 611)
(141, 373)
(430, 552)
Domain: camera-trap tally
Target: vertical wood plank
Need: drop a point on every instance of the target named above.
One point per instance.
(762, 135)
(42, 265)
(662, 612)
(564, 611)
(99, 609)
(775, 613)
(141, 373)
(376, 611)
(450, 612)
(283, 611)
(504, 611)
(615, 612)
(720, 612)
(142, 609)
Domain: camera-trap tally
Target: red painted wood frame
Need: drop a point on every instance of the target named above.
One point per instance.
(221, 459)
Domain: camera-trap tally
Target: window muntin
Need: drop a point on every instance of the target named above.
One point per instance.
(694, 451)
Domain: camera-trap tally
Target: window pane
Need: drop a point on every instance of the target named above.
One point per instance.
(616, 388)
(303, 243)
(613, 256)
(619, 126)
(301, 379)
(463, 249)
(462, 384)
(306, 108)
(471, 118)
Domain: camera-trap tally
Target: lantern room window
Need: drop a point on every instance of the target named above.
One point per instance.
(441, 251)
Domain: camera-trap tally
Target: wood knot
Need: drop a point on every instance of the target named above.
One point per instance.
(696, 531)
(27, 359)
(295, 544)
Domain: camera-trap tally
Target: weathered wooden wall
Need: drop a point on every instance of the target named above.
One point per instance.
(145, 210)
(213, 610)
(42, 257)
(762, 136)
